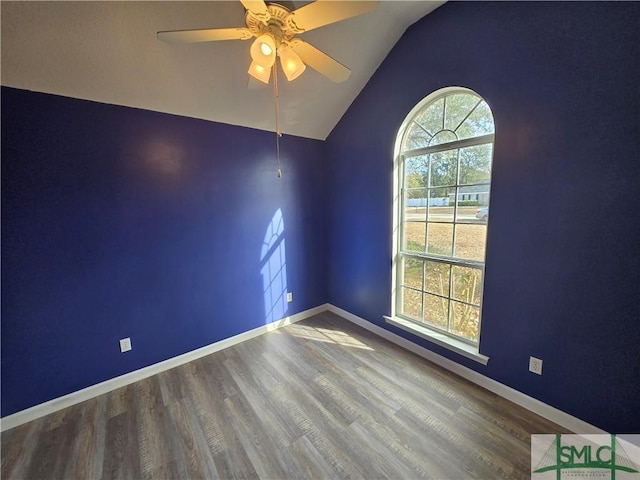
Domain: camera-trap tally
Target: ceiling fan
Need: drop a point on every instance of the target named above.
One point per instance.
(275, 29)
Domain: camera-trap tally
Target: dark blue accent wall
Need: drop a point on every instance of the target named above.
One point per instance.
(119, 222)
(562, 266)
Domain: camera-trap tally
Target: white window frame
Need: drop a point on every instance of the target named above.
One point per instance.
(461, 346)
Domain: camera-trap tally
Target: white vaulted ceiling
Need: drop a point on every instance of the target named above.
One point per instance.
(108, 52)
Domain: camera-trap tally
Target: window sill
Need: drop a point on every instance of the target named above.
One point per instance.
(438, 338)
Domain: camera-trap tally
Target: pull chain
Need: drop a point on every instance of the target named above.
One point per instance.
(278, 133)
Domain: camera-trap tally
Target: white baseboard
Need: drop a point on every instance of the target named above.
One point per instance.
(544, 410)
(536, 406)
(37, 411)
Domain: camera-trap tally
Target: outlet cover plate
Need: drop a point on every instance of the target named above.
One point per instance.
(125, 344)
(535, 365)
(289, 297)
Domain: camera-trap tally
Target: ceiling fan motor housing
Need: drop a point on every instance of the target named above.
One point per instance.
(280, 23)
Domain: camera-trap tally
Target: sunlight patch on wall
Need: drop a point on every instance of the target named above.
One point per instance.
(273, 269)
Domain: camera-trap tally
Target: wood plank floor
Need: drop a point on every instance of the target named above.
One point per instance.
(322, 398)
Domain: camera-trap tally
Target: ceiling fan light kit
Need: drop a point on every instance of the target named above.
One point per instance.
(259, 72)
(263, 50)
(291, 63)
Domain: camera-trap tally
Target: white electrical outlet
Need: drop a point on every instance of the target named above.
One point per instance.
(289, 297)
(535, 365)
(125, 344)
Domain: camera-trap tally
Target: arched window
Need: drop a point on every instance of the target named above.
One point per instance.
(443, 157)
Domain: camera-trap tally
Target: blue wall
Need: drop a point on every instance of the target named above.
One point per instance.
(119, 222)
(563, 270)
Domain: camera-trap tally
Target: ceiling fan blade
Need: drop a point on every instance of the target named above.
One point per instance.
(258, 8)
(320, 61)
(205, 35)
(324, 12)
